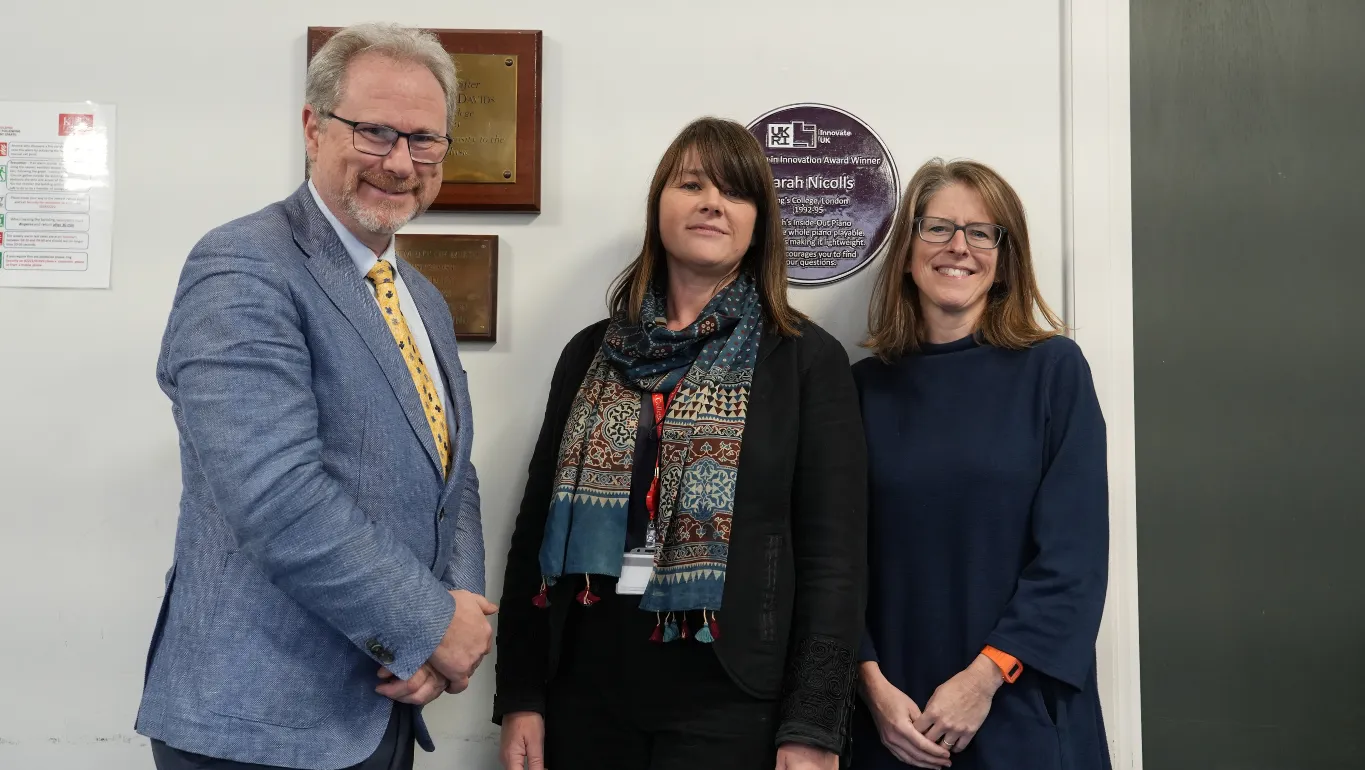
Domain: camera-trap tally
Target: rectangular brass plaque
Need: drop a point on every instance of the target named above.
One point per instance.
(465, 270)
(483, 135)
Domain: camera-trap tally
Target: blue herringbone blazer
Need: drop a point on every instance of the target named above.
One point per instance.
(316, 538)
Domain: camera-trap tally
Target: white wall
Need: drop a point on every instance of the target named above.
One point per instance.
(208, 99)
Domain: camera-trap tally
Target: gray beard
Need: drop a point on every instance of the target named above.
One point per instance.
(386, 221)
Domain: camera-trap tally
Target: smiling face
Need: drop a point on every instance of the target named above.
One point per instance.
(706, 229)
(374, 196)
(954, 278)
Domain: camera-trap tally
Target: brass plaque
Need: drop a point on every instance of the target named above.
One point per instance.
(465, 270)
(483, 135)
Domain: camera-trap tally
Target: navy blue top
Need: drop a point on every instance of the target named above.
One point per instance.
(989, 525)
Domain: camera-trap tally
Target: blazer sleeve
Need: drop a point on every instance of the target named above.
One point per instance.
(523, 639)
(236, 361)
(829, 532)
(1053, 619)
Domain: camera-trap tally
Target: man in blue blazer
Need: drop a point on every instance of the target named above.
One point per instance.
(328, 572)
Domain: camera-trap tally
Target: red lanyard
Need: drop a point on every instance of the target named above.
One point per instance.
(660, 409)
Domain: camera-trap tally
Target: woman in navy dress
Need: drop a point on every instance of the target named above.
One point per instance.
(989, 507)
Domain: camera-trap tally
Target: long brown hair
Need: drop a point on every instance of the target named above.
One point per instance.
(895, 326)
(732, 158)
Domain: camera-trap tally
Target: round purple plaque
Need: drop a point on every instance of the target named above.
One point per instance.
(836, 184)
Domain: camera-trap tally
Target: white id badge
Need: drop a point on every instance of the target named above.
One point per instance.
(636, 569)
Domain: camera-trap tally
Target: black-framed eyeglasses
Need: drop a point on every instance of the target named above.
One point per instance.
(379, 139)
(979, 235)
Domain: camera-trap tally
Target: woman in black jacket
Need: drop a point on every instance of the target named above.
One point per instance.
(686, 579)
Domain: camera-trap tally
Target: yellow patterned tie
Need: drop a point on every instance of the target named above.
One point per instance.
(381, 275)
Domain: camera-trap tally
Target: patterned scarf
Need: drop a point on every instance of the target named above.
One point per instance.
(714, 358)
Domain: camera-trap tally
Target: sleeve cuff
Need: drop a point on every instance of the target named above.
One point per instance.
(798, 733)
(513, 703)
(817, 705)
(867, 653)
(404, 657)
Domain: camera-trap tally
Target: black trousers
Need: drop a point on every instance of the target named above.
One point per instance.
(395, 751)
(622, 702)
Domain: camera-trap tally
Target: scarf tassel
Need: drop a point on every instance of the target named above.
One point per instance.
(542, 599)
(709, 631)
(586, 597)
(658, 636)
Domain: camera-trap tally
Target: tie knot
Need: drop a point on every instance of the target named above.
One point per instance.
(381, 273)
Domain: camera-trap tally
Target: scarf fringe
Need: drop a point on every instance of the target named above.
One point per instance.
(668, 630)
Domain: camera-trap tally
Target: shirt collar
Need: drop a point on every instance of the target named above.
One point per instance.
(359, 253)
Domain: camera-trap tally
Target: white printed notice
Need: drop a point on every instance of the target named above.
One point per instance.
(56, 194)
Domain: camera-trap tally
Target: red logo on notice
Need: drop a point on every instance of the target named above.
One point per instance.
(4, 149)
(2, 239)
(68, 124)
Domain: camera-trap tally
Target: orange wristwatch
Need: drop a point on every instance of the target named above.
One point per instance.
(1009, 665)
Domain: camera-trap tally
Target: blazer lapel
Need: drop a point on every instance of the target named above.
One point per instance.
(334, 271)
(767, 343)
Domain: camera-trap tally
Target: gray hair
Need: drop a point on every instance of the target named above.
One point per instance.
(327, 71)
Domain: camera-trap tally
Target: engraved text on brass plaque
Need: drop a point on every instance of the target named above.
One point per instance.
(465, 270)
(483, 145)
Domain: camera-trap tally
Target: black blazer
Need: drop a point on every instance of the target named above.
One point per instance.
(795, 579)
